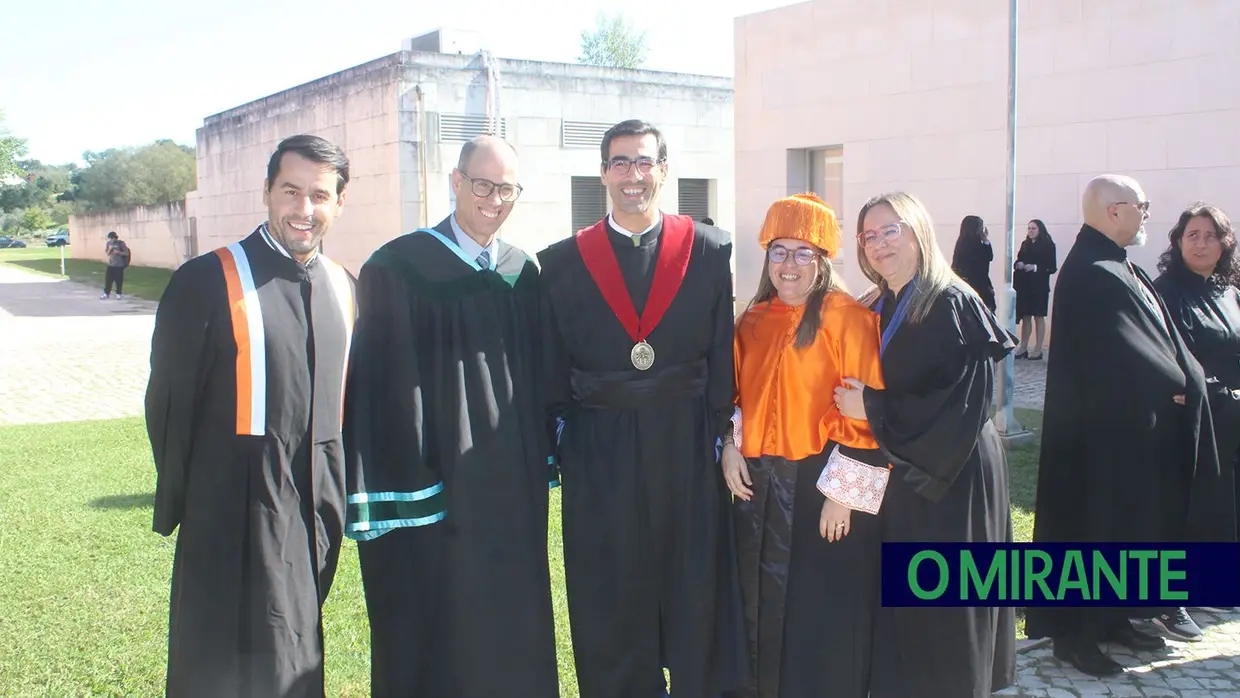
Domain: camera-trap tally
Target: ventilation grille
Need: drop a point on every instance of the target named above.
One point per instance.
(589, 202)
(462, 127)
(693, 198)
(582, 134)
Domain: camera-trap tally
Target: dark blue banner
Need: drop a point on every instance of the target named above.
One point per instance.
(1061, 574)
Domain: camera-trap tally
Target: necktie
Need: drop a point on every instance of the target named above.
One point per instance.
(484, 260)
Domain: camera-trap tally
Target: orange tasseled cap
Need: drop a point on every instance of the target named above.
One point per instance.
(803, 217)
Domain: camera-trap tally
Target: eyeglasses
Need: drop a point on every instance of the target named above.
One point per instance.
(803, 256)
(622, 165)
(483, 189)
(1144, 206)
(888, 233)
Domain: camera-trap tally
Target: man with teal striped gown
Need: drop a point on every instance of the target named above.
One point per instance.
(447, 456)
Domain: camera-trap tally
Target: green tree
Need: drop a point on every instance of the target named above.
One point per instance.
(41, 187)
(11, 148)
(36, 219)
(613, 43)
(159, 173)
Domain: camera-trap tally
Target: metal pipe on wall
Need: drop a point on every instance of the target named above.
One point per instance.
(423, 213)
(1005, 416)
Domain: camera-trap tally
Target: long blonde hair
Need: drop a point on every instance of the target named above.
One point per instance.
(934, 272)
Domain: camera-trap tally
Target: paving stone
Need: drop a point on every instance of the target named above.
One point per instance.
(80, 357)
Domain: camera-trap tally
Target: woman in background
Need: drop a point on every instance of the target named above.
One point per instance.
(972, 257)
(1035, 262)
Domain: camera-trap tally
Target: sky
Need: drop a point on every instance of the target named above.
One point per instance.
(78, 75)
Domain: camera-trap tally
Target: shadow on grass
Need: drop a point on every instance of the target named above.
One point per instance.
(125, 501)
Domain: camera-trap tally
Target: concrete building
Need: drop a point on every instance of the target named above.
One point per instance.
(856, 98)
(402, 120)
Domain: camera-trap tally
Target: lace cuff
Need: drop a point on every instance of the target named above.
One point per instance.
(852, 483)
(736, 427)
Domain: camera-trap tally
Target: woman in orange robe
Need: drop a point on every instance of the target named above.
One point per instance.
(807, 480)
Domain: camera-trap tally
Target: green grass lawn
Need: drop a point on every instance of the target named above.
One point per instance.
(84, 580)
(140, 282)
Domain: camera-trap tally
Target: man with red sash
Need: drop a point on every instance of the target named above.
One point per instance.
(243, 411)
(637, 321)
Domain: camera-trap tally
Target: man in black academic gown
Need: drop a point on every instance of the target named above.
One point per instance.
(243, 411)
(1127, 440)
(448, 472)
(637, 314)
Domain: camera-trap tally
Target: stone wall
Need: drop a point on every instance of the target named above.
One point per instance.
(157, 235)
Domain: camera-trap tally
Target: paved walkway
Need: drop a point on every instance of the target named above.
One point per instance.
(69, 356)
(1183, 669)
(1030, 383)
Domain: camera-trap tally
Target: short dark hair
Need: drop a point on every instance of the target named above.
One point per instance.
(1227, 271)
(708, 220)
(112, 235)
(314, 149)
(632, 127)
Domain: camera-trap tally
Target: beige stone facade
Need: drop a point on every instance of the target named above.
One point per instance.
(912, 94)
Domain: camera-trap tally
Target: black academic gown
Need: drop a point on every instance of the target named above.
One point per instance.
(949, 483)
(260, 514)
(648, 557)
(971, 261)
(1033, 287)
(1207, 314)
(448, 473)
(1120, 460)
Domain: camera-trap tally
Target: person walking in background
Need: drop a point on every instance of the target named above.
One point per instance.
(972, 257)
(1035, 262)
(118, 256)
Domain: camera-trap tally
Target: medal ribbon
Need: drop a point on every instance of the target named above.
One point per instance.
(669, 272)
(896, 318)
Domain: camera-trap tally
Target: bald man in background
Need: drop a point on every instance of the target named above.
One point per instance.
(1127, 439)
(446, 453)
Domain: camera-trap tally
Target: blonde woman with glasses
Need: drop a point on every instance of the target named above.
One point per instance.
(939, 344)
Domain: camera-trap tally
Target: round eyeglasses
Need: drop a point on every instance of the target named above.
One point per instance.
(884, 233)
(483, 188)
(803, 256)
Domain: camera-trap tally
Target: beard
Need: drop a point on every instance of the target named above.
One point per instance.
(297, 243)
(1140, 238)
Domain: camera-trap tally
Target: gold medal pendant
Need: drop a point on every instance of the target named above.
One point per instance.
(642, 356)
